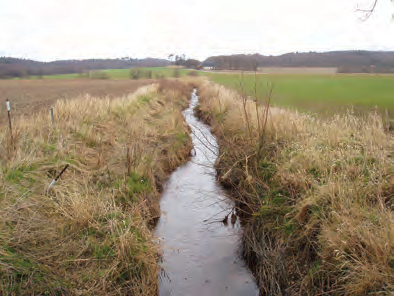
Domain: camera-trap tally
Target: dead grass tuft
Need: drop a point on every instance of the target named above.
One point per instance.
(90, 234)
(317, 193)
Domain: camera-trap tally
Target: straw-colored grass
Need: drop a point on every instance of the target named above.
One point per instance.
(317, 194)
(90, 234)
(28, 96)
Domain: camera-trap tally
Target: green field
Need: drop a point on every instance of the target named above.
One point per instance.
(121, 73)
(323, 94)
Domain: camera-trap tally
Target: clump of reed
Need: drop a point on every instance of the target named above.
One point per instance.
(91, 233)
(317, 193)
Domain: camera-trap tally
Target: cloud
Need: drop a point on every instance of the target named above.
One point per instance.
(56, 29)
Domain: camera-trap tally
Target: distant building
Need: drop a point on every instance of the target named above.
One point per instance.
(208, 65)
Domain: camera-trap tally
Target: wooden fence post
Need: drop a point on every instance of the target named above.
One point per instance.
(52, 117)
(9, 120)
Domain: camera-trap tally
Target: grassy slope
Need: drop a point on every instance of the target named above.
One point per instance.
(90, 234)
(319, 196)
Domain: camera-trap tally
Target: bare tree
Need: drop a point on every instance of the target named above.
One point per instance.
(368, 12)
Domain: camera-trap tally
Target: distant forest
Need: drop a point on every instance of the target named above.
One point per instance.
(13, 67)
(345, 61)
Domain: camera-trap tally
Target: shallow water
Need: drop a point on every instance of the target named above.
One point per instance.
(200, 255)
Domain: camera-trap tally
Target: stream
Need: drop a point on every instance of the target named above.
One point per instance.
(200, 253)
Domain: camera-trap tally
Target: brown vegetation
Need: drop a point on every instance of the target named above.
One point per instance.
(28, 96)
(89, 234)
(317, 194)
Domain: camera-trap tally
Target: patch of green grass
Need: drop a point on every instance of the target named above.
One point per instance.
(28, 168)
(47, 148)
(103, 252)
(24, 270)
(133, 185)
(138, 184)
(113, 215)
(182, 137)
(14, 176)
(266, 170)
(145, 99)
(139, 236)
(70, 159)
(272, 212)
(323, 94)
(278, 200)
(289, 228)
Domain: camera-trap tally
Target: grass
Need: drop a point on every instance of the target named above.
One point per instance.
(90, 234)
(29, 96)
(157, 72)
(317, 194)
(322, 94)
(317, 190)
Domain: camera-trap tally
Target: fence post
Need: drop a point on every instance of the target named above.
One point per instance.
(52, 117)
(128, 161)
(9, 120)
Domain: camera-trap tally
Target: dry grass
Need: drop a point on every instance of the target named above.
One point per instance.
(90, 234)
(29, 96)
(319, 196)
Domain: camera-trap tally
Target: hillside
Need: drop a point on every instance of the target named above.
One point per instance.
(13, 67)
(346, 61)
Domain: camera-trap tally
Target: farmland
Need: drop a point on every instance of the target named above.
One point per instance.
(121, 73)
(28, 96)
(322, 94)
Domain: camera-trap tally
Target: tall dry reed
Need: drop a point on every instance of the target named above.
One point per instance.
(317, 193)
(91, 233)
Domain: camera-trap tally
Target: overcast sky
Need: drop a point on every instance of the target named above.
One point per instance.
(75, 29)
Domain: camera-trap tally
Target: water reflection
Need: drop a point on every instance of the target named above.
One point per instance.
(199, 252)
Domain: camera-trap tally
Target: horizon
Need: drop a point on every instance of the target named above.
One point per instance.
(90, 29)
(187, 57)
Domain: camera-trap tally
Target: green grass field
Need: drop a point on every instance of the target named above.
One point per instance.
(121, 73)
(322, 94)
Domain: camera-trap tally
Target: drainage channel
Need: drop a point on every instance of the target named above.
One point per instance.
(200, 253)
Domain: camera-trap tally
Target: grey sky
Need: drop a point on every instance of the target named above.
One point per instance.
(66, 29)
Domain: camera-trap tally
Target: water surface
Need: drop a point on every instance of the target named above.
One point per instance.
(200, 256)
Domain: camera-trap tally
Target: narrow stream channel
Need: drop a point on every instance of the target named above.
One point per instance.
(200, 255)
